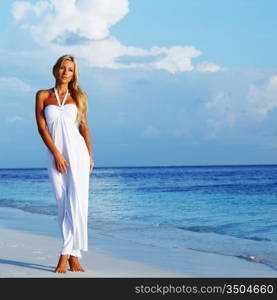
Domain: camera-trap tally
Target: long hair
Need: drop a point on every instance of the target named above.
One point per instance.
(77, 93)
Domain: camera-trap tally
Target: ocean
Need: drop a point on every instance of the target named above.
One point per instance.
(229, 210)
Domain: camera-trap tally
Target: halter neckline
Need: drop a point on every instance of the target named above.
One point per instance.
(58, 98)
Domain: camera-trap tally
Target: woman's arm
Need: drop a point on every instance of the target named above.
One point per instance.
(60, 161)
(85, 132)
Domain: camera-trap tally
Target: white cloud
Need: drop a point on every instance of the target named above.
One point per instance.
(61, 20)
(175, 59)
(221, 102)
(21, 9)
(226, 108)
(206, 66)
(216, 102)
(14, 83)
(83, 28)
(262, 99)
(102, 53)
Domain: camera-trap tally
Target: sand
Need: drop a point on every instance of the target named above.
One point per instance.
(30, 246)
(28, 255)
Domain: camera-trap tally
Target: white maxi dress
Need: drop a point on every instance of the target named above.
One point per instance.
(70, 189)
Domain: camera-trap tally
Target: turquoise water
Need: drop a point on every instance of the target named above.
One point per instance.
(229, 210)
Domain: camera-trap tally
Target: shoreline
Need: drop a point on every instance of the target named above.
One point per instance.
(28, 255)
(30, 244)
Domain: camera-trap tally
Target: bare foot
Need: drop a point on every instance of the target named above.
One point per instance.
(74, 264)
(61, 267)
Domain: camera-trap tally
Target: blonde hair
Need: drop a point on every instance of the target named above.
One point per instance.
(77, 93)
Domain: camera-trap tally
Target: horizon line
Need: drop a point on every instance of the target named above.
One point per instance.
(155, 166)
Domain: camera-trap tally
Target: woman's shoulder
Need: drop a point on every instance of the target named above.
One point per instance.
(44, 93)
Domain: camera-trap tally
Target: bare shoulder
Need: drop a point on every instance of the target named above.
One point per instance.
(42, 95)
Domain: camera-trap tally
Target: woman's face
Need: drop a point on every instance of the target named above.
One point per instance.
(65, 72)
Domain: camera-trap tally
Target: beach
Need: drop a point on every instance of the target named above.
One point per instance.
(34, 251)
(29, 248)
(29, 255)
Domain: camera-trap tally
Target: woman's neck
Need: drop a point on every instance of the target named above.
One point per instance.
(61, 88)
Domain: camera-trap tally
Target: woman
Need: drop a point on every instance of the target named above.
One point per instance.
(62, 124)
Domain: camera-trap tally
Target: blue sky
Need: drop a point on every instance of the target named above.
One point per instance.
(169, 82)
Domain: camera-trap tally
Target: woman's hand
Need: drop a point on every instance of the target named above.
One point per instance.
(61, 163)
(91, 164)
